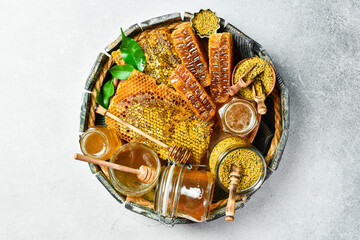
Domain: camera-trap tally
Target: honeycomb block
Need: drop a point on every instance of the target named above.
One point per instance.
(220, 65)
(195, 95)
(189, 48)
(117, 57)
(161, 112)
(160, 54)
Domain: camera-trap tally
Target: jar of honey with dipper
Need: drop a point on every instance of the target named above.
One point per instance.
(134, 155)
(134, 168)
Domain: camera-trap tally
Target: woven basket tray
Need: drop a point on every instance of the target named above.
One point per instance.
(270, 139)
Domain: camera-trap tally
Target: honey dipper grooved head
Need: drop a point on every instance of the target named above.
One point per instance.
(178, 154)
(147, 174)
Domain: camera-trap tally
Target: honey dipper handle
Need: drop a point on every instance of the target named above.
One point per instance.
(99, 109)
(234, 180)
(106, 164)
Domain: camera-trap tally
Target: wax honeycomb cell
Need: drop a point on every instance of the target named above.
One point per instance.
(195, 95)
(161, 57)
(189, 48)
(161, 112)
(117, 57)
(220, 65)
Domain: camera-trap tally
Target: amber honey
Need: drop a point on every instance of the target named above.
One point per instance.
(238, 117)
(185, 193)
(99, 142)
(133, 155)
(195, 195)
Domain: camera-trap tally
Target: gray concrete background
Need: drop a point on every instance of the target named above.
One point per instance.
(48, 48)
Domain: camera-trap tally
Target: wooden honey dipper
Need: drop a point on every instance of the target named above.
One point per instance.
(176, 153)
(145, 174)
(234, 180)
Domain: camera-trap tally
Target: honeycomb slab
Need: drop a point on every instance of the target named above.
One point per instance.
(161, 112)
(195, 95)
(192, 55)
(161, 57)
(220, 65)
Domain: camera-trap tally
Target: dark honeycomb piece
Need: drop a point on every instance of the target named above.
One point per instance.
(195, 95)
(189, 48)
(220, 65)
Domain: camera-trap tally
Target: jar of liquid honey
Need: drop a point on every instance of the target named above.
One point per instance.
(99, 142)
(238, 117)
(134, 155)
(184, 193)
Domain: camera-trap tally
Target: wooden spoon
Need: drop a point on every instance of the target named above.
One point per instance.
(145, 174)
(234, 180)
(240, 84)
(260, 100)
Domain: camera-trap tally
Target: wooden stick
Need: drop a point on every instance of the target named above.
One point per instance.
(176, 153)
(106, 164)
(234, 180)
(145, 174)
(100, 110)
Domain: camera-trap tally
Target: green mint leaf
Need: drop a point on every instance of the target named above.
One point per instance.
(132, 53)
(99, 99)
(121, 71)
(108, 91)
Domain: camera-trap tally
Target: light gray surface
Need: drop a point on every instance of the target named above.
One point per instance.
(48, 48)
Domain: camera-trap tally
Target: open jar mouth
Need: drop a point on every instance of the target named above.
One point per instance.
(138, 191)
(93, 133)
(247, 125)
(256, 185)
(238, 117)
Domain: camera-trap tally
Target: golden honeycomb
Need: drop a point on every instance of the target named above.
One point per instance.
(161, 57)
(220, 65)
(191, 90)
(117, 57)
(191, 53)
(161, 112)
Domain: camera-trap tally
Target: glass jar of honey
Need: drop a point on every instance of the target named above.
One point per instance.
(134, 155)
(240, 152)
(238, 117)
(184, 193)
(99, 142)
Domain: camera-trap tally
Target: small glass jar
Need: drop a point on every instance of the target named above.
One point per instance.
(134, 155)
(185, 193)
(227, 147)
(238, 117)
(100, 142)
